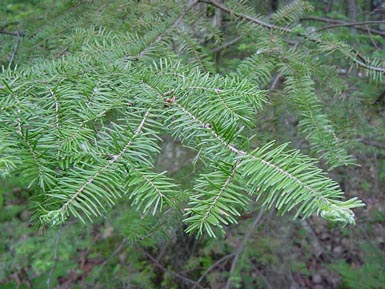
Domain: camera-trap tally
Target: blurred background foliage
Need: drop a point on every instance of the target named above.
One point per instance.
(262, 251)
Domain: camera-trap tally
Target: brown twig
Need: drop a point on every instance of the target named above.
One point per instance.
(175, 274)
(373, 143)
(122, 244)
(339, 23)
(279, 76)
(275, 82)
(371, 38)
(380, 98)
(17, 34)
(226, 44)
(15, 49)
(224, 258)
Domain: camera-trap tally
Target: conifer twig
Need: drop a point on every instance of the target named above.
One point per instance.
(241, 153)
(114, 159)
(159, 38)
(221, 191)
(354, 55)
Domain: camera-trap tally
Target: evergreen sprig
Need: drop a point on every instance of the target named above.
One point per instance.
(84, 130)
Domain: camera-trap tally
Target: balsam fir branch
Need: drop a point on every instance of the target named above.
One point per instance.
(298, 85)
(216, 202)
(272, 172)
(83, 131)
(291, 13)
(314, 124)
(373, 66)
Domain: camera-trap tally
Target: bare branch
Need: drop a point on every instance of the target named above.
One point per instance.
(17, 34)
(122, 244)
(226, 44)
(224, 258)
(373, 143)
(339, 23)
(175, 274)
(15, 49)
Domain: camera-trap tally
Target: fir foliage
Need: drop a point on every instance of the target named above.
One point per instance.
(83, 128)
